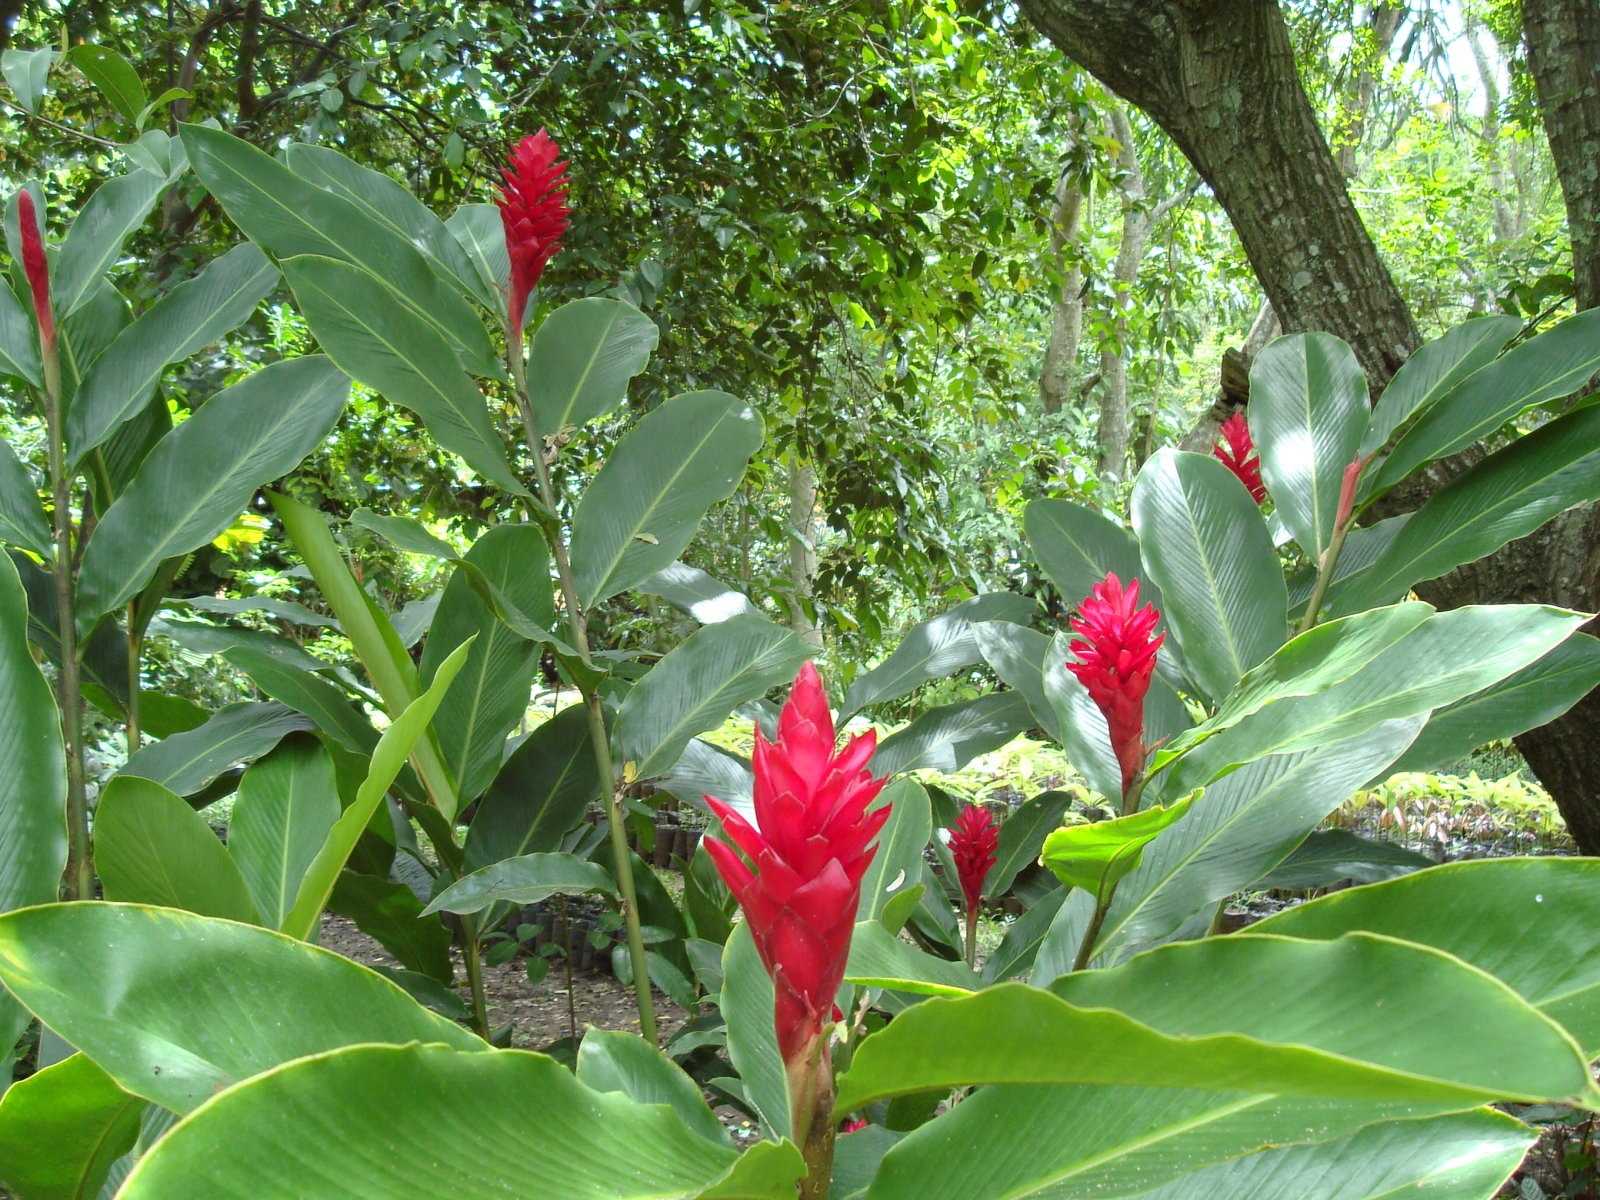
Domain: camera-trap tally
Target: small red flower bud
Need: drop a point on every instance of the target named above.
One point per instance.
(1240, 456)
(974, 844)
(1119, 658)
(35, 267)
(533, 208)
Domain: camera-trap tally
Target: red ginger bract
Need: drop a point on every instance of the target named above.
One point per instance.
(974, 844)
(35, 267)
(1240, 456)
(1118, 657)
(534, 211)
(810, 846)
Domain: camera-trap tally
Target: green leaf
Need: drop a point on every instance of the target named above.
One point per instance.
(1533, 923)
(186, 762)
(695, 687)
(94, 243)
(1095, 857)
(1506, 496)
(948, 737)
(1084, 733)
(382, 342)
(1019, 657)
(19, 346)
(204, 638)
(746, 1005)
(388, 757)
(1308, 415)
(933, 649)
(1330, 858)
(103, 976)
(392, 1096)
(152, 848)
(525, 880)
(105, 658)
(880, 959)
(1433, 371)
(28, 71)
(286, 217)
(285, 805)
(621, 1062)
(391, 913)
(644, 506)
(1019, 948)
(766, 1171)
(327, 704)
(693, 592)
(1361, 549)
(897, 865)
(542, 791)
(186, 320)
(1078, 546)
(1022, 837)
(404, 533)
(62, 1128)
(582, 358)
(491, 695)
(113, 75)
(1547, 367)
(204, 473)
(22, 519)
(481, 233)
(1207, 548)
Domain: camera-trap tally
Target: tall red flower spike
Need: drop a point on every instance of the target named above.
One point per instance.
(1240, 456)
(974, 844)
(1119, 656)
(810, 846)
(533, 208)
(35, 267)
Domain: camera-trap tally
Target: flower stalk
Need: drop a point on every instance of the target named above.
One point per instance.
(1342, 520)
(974, 845)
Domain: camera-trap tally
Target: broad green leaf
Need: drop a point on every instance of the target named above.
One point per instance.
(1078, 546)
(388, 757)
(175, 1007)
(1433, 371)
(383, 343)
(695, 687)
(1547, 367)
(524, 880)
(933, 649)
(105, 657)
(327, 704)
(1361, 549)
(275, 607)
(404, 533)
(582, 358)
(1207, 548)
(1308, 415)
(1332, 857)
(19, 344)
(478, 229)
(203, 474)
(186, 320)
(707, 770)
(28, 71)
(1095, 857)
(287, 217)
(491, 695)
(1022, 837)
(948, 737)
(204, 638)
(185, 762)
(1533, 923)
(1526, 699)
(746, 1004)
(1084, 733)
(285, 805)
(150, 847)
(94, 243)
(391, 913)
(392, 1096)
(897, 864)
(766, 1171)
(880, 959)
(644, 506)
(542, 791)
(1019, 656)
(87, 332)
(621, 1062)
(1019, 948)
(1375, 1018)
(1506, 496)
(62, 1128)
(113, 75)
(22, 519)
(691, 591)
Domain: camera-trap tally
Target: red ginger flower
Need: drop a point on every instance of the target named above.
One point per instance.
(1119, 656)
(35, 267)
(810, 847)
(533, 208)
(974, 844)
(1240, 456)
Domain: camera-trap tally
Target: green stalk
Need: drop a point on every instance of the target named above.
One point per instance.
(1130, 805)
(1325, 568)
(579, 633)
(972, 939)
(134, 642)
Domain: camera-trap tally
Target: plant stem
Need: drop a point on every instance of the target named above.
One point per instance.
(811, 1118)
(1325, 566)
(472, 959)
(972, 939)
(134, 642)
(1086, 947)
(598, 737)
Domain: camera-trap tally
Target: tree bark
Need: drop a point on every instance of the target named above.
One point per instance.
(803, 549)
(1059, 372)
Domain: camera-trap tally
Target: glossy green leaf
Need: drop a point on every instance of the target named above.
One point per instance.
(933, 649)
(1547, 367)
(695, 687)
(582, 358)
(1022, 836)
(948, 737)
(152, 848)
(285, 805)
(1084, 733)
(94, 243)
(204, 473)
(1361, 549)
(1433, 371)
(383, 343)
(1331, 857)
(707, 770)
(28, 73)
(278, 608)
(176, 1007)
(766, 1171)
(746, 1004)
(185, 762)
(113, 75)
(286, 217)
(880, 959)
(391, 913)
(1095, 857)
(542, 791)
(492, 694)
(19, 344)
(1019, 948)
(404, 533)
(202, 637)
(897, 864)
(327, 704)
(186, 320)
(479, 231)
(62, 1128)
(640, 511)
(1308, 415)
(1533, 923)
(388, 757)
(621, 1062)
(1207, 548)
(105, 657)
(1018, 656)
(527, 879)
(392, 1096)
(1078, 546)
(1506, 496)
(691, 591)
(22, 519)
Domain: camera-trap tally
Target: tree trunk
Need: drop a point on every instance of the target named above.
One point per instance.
(803, 549)
(1059, 374)
(1113, 431)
